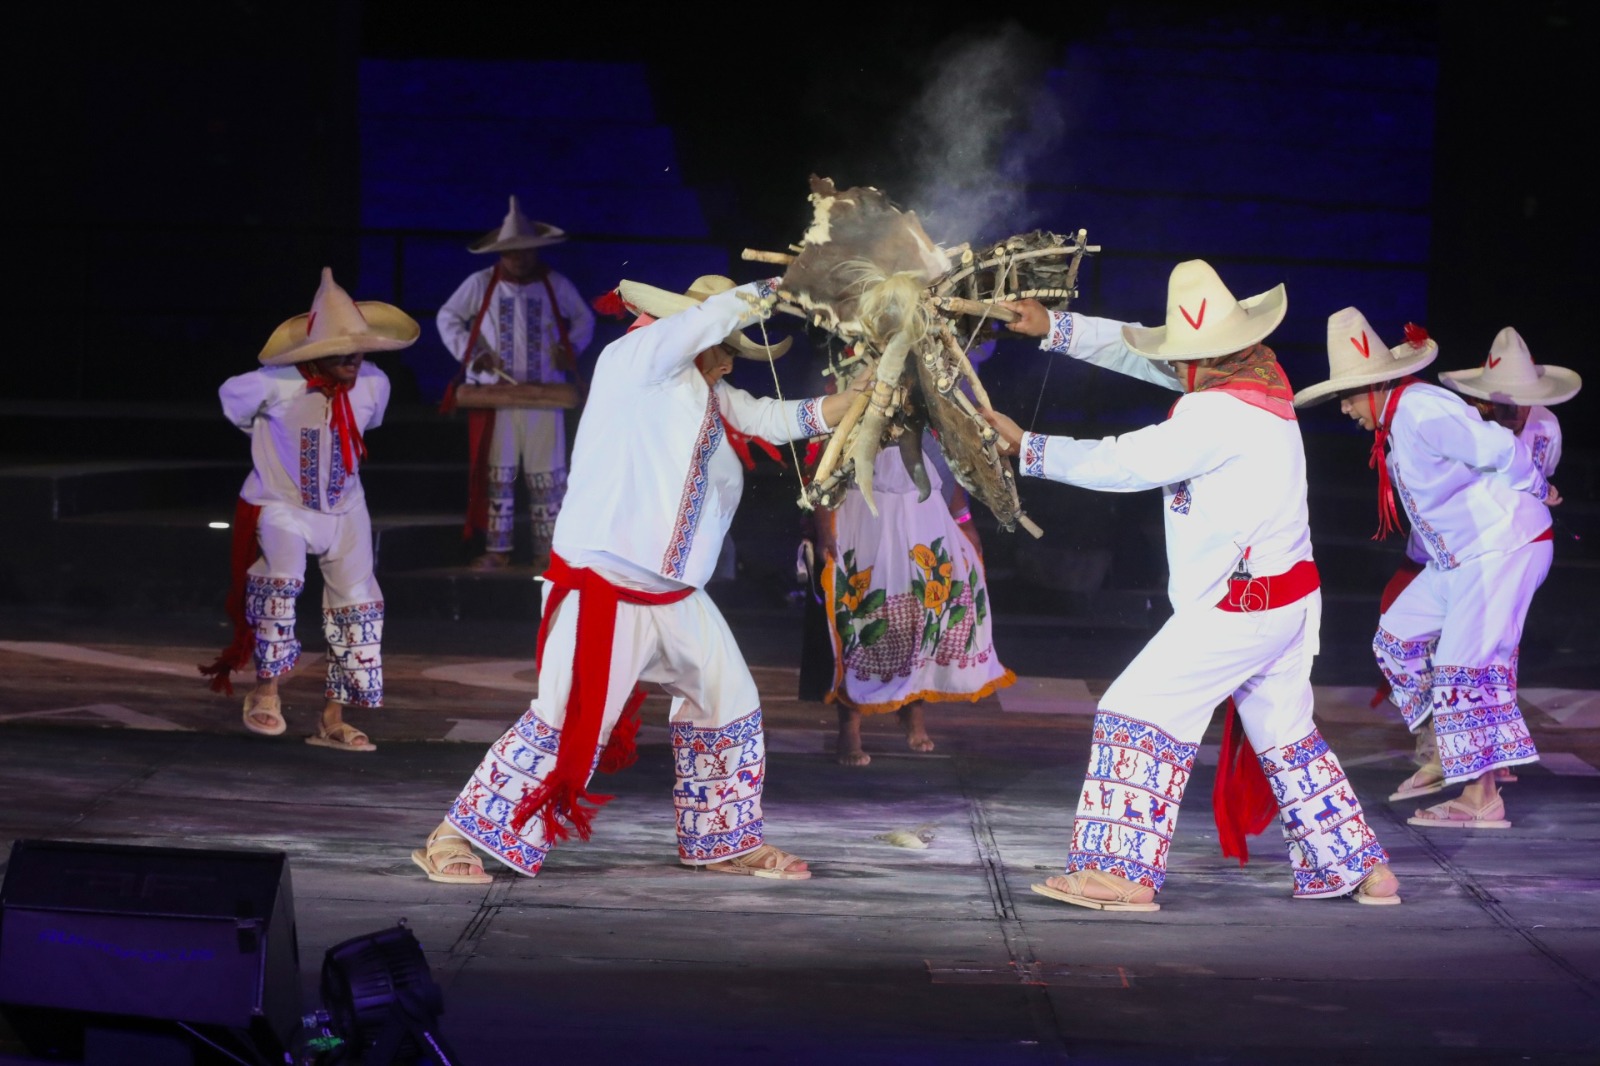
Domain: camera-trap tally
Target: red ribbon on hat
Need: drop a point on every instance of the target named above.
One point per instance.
(340, 416)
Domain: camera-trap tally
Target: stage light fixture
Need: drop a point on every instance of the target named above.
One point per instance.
(380, 1000)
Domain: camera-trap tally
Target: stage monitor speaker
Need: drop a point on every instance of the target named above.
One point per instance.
(94, 933)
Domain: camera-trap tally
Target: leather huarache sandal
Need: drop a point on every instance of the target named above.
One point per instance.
(258, 707)
(1116, 893)
(766, 861)
(1459, 814)
(1380, 888)
(342, 737)
(1425, 782)
(446, 849)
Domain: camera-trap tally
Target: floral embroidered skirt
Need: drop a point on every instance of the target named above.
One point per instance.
(909, 604)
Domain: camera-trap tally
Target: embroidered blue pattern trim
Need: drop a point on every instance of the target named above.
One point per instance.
(1541, 452)
(1408, 667)
(1059, 339)
(1137, 774)
(1033, 454)
(718, 792)
(269, 607)
(1181, 498)
(354, 634)
(337, 474)
(692, 504)
(809, 416)
(310, 468)
(1441, 552)
(1331, 846)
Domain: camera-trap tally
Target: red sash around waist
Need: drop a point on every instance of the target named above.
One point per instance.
(560, 795)
(1265, 593)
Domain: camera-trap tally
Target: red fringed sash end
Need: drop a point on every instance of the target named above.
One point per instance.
(622, 750)
(242, 552)
(555, 803)
(1241, 801)
(1380, 694)
(234, 657)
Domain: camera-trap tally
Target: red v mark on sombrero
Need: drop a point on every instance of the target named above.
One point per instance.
(1493, 362)
(1363, 346)
(1194, 323)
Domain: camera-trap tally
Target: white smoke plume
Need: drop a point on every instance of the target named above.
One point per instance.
(982, 121)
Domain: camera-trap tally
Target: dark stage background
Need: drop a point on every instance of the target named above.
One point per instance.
(179, 174)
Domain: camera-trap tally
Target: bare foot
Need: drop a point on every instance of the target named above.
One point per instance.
(849, 747)
(917, 738)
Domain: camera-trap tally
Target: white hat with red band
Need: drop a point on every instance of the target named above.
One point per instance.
(1356, 356)
(659, 303)
(1511, 376)
(1203, 318)
(338, 325)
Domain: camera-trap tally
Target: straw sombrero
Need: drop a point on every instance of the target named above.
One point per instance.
(517, 231)
(337, 325)
(1203, 318)
(659, 303)
(1356, 357)
(1511, 376)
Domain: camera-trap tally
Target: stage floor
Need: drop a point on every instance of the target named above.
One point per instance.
(888, 954)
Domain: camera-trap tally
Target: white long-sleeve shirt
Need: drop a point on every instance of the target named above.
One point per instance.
(654, 484)
(296, 452)
(1232, 475)
(520, 325)
(1468, 486)
(1541, 434)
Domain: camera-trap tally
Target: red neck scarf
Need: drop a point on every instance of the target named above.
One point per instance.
(561, 796)
(340, 417)
(740, 443)
(1252, 375)
(1388, 517)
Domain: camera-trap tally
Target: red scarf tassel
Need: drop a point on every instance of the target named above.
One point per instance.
(1242, 802)
(246, 517)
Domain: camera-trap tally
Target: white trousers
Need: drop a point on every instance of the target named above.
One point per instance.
(1148, 731)
(1448, 645)
(352, 603)
(719, 751)
(535, 439)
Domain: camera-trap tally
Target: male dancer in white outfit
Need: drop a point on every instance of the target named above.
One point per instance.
(654, 487)
(305, 411)
(533, 329)
(1509, 389)
(1480, 505)
(1244, 590)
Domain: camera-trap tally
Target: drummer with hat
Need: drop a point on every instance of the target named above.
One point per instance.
(531, 326)
(655, 482)
(306, 412)
(1246, 607)
(1479, 504)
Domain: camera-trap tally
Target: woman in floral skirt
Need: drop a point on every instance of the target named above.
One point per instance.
(905, 589)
